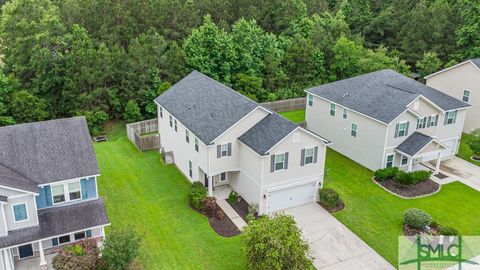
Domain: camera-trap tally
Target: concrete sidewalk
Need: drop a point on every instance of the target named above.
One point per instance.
(232, 214)
(458, 169)
(334, 246)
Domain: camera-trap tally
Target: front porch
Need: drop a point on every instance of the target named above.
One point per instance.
(33, 263)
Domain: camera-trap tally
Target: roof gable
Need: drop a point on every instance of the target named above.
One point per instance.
(475, 62)
(43, 152)
(382, 95)
(206, 107)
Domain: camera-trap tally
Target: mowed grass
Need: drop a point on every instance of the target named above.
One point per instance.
(377, 216)
(296, 116)
(140, 191)
(464, 152)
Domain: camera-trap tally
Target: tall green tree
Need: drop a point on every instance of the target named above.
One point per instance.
(358, 14)
(468, 35)
(28, 108)
(429, 64)
(6, 90)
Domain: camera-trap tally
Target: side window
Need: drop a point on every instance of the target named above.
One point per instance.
(421, 122)
(171, 121)
(389, 161)
(187, 136)
(175, 121)
(432, 120)
(196, 144)
(354, 131)
(345, 113)
(310, 100)
(74, 191)
(190, 171)
(404, 160)
(309, 156)
(450, 117)
(466, 95)
(279, 162)
(161, 112)
(58, 193)
(401, 129)
(224, 150)
(332, 109)
(20, 212)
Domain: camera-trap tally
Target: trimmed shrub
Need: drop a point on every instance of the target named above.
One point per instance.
(81, 255)
(385, 174)
(329, 198)
(417, 218)
(412, 178)
(232, 197)
(420, 176)
(196, 195)
(448, 231)
(403, 178)
(274, 243)
(120, 248)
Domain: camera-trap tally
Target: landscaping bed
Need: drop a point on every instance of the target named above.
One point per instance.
(241, 207)
(410, 191)
(222, 225)
(330, 200)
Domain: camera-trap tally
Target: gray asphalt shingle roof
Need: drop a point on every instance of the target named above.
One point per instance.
(43, 152)
(382, 95)
(60, 220)
(206, 107)
(414, 143)
(476, 62)
(267, 133)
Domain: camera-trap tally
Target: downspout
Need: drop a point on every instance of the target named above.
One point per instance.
(260, 202)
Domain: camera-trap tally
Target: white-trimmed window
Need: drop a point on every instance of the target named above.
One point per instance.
(450, 117)
(20, 212)
(389, 163)
(345, 113)
(196, 144)
(466, 95)
(79, 235)
(175, 122)
(332, 109)
(190, 171)
(161, 111)
(223, 177)
(433, 120)
(64, 239)
(308, 159)
(310, 100)
(171, 121)
(421, 122)
(402, 129)
(279, 162)
(404, 160)
(66, 192)
(354, 130)
(187, 136)
(224, 150)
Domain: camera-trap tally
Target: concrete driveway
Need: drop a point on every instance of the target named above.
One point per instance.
(460, 170)
(333, 245)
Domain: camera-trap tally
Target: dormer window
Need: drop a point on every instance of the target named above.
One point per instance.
(66, 192)
(20, 212)
(58, 193)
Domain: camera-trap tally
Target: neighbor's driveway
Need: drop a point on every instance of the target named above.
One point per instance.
(332, 245)
(461, 170)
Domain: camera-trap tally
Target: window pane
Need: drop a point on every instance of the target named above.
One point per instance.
(20, 212)
(309, 152)
(79, 236)
(64, 239)
(279, 158)
(58, 193)
(279, 166)
(74, 190)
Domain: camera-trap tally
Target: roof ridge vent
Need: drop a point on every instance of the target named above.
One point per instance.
(401, 89)
(345, 95)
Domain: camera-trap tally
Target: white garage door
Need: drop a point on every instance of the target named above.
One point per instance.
(290, 197)
(450, 151)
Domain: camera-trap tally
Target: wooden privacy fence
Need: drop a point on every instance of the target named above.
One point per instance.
(144, 134)
(286, 104)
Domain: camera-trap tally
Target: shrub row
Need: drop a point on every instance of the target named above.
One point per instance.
(329, 198)
(401, 177)
(197, 195)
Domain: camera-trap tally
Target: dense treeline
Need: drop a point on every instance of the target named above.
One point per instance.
(105, 58)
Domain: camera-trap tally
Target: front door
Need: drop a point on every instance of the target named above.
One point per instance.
(206, 180)
(25, 251)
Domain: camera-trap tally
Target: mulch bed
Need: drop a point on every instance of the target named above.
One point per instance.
(220, 223)
(337, 208)
(423, 188)
(241, 207)
(410, 231)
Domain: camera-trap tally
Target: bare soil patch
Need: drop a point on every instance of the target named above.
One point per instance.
(241, 207)
(337, 208)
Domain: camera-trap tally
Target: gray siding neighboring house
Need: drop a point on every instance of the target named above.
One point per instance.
(461, 81)
(48, 189)
(373, 117)
(219, 137)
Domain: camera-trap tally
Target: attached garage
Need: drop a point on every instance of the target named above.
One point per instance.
(279, 198)
(452, 148)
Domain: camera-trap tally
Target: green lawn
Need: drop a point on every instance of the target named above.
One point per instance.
(296, 116)
(141, 191)
(464, 151)
(376, 216)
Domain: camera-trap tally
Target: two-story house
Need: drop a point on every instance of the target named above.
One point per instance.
(219, 137)
(384, 119)
(461, 81)
(48, 189)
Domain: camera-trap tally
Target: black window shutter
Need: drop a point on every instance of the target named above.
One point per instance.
(229, 149)
(455, 116)
(302, 158)
(396, 130)
(286, 160)
(315, 154)
(272, 163)
(219, 151)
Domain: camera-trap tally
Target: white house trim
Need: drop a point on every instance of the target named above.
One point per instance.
(292, 183)
(19, 190)
(297, 128)
(452, 67)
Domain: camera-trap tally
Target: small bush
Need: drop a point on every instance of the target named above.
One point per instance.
(120, 248)
(196, 195)
(404, 178)
(417, 218)
(209, 206)
(81, 255)
(329, 198)
(385, 174)
(420, 176)
(448, 231)
(132, 112)
(232, 197)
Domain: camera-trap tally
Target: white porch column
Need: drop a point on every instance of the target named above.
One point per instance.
(410, 164)
(2, 262)
(210, 186)
(43, 261)
(437, 165)
(6, 260)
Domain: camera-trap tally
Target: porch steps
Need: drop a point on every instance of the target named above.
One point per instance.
(232, 214)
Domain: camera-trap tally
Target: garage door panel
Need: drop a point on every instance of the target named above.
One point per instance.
(291, 197)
